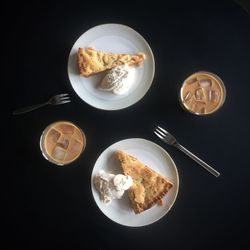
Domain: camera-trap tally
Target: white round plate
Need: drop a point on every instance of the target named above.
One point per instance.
(151, 154)
(115, 38)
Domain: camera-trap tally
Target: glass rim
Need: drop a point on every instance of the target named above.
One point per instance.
(43, 150)
(221, 84)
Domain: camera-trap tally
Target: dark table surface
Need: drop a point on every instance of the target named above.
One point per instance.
(52, 207)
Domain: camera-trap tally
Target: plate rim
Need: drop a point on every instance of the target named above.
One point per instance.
(151, 79)
(159, 148)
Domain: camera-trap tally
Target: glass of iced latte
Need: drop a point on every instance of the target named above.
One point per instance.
(62, 142)
(202, 93)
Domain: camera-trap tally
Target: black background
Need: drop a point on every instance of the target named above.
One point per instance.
(52, 207)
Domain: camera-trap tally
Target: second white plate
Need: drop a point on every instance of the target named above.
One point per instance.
(151, 154)
(114, 38)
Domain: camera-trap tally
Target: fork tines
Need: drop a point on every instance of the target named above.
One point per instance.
(64, 94)
(64, 98)
(157, 133)
(160, 132)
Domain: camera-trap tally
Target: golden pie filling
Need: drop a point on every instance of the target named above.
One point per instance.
(91, 61)
(149, 187)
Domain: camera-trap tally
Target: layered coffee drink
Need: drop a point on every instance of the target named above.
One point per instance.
(62, 142)
(202, 93)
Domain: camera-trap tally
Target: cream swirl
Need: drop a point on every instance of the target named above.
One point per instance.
(119, 79)
(111, 186)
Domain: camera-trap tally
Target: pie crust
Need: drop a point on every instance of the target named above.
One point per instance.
(91, 61)
(149, 187)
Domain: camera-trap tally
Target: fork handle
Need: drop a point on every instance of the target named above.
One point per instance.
(29, 108)
(198, 160)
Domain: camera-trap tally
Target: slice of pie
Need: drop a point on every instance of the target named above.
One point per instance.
(148, 188)
(91, 61)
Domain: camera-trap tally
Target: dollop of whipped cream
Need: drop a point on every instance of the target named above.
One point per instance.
(119, 79)
(111, 186)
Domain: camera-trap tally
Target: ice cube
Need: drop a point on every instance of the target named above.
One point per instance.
(53, 135)
(58, 153)
(191, 80)
(187, 96)
(74, 149)
(199, 94)
(191, 104)
(64, 143)
(203, 110)
(66, 129)
(199, 107)
(76, 146)
(213, 96)
(205, 83)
